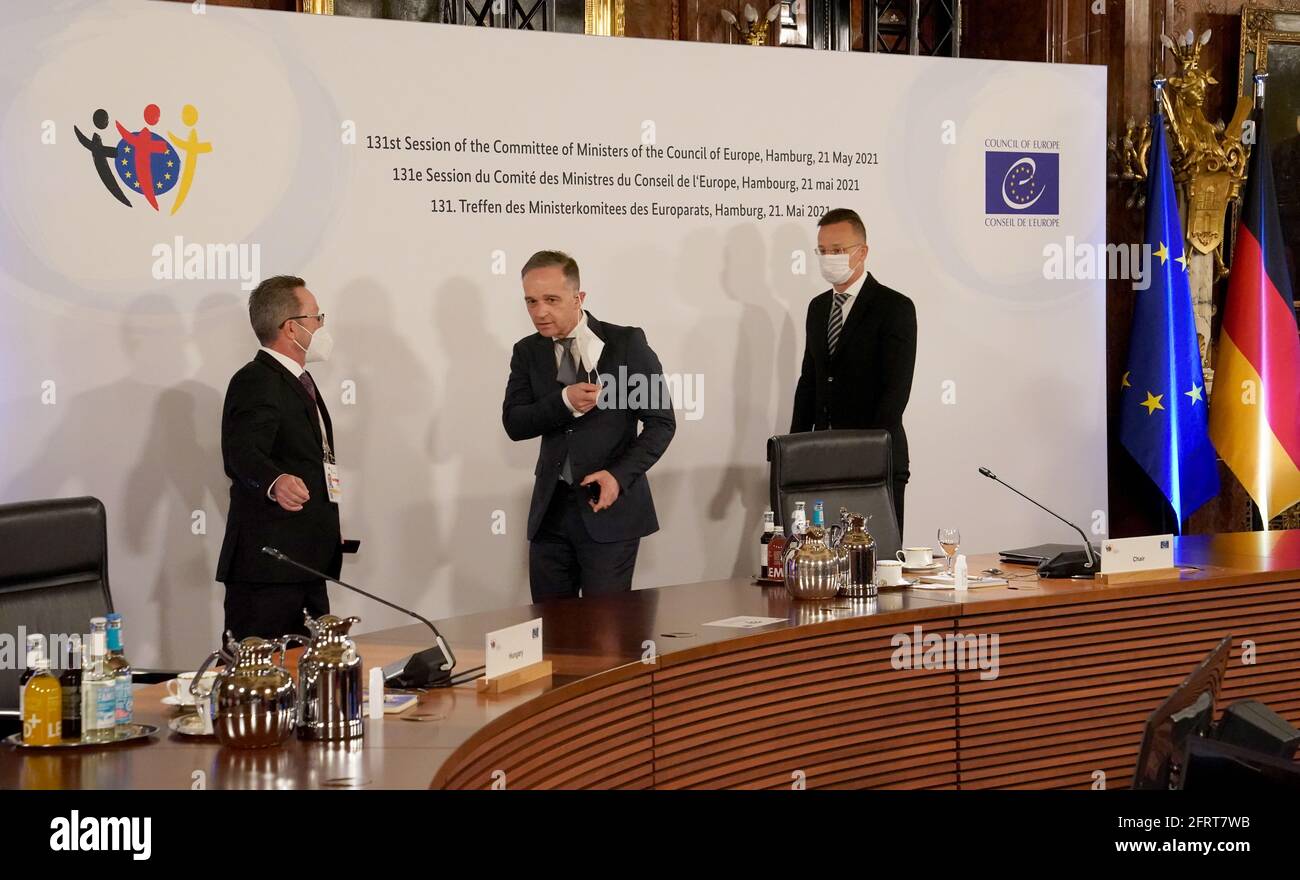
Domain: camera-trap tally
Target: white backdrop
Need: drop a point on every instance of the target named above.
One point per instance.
(111, 378)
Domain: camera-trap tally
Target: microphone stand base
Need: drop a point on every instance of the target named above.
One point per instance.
(423, 669)
(1070, 564)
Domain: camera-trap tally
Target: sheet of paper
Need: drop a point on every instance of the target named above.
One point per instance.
(745, 622)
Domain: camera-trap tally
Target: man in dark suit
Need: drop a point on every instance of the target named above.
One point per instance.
(277, 442)
(591, 500)
(861, 347)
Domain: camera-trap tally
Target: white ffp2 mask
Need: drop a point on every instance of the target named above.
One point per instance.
(318, 347)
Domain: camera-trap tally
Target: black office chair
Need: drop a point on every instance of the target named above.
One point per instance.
(841, 468)
(53, 579)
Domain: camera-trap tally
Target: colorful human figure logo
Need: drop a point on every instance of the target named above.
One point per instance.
(102, 154)
(144, 161)
(192, 147)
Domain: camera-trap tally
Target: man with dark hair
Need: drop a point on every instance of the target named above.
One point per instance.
(277, 442)
(861, 347)
(591, 500)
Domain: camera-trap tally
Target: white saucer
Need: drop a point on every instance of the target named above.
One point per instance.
(923, 569)
(188, 725)
(169, 700)
(904, 585)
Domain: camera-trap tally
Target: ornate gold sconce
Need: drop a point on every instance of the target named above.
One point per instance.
(754, 30)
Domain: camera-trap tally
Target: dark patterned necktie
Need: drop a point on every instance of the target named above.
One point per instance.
(307, 383)
(568, 370)
(836, 323)
(567, 375)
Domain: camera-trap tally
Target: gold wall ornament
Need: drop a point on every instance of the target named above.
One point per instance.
(1209, 159)
(754, 30)
(604, 18)
(1209, 162)
(316, 7)
(1209, 167)
(1128, 157)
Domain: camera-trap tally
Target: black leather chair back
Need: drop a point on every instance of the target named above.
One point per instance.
(53, 574)
(847, 468)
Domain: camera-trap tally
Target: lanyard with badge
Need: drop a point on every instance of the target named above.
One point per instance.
(332, 482)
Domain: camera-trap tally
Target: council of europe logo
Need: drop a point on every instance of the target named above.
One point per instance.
(1022, 183)
(145, 162)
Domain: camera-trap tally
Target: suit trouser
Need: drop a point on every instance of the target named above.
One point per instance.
(273, 610)
(563, 559)
(900, 483)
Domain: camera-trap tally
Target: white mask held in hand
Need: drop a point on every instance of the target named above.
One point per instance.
(835, 268)
(318, 347)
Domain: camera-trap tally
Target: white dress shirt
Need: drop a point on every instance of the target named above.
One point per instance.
(289, 363)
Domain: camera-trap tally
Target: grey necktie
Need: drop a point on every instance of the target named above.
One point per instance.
(836, 323)
(567, 375)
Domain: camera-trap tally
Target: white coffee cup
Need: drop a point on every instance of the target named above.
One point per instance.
(916, 557)
(889, 573)
(178, 688)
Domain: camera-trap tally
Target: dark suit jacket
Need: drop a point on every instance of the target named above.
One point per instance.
(868, 382)
(602, 439)
(268, 428)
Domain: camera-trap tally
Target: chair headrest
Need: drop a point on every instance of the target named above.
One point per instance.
(832, 456)
(49, 538)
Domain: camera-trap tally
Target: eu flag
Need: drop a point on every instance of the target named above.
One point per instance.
(1163, 421)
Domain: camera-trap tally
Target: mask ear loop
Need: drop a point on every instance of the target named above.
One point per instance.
(295, 341)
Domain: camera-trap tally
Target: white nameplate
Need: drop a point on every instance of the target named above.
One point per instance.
(745, 622)
(1137, 554)
(513, 648)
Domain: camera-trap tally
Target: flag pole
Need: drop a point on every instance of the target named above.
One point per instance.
(1158, 109)
(1261, 78)
(1167, 513)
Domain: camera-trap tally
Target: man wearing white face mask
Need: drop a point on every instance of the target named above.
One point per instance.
(861, 347)
(277, 442)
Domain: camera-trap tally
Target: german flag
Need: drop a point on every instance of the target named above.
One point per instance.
(1255, 408)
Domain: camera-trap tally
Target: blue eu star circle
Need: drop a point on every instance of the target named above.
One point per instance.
(163, 173)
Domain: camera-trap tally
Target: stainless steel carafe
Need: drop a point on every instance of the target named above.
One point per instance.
(330, 681)
(814, 570)
(253, 703)
(860, 548)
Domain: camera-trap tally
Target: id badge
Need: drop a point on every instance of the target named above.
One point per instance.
(332, 483)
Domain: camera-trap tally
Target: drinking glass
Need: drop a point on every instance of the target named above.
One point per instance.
(949, 541)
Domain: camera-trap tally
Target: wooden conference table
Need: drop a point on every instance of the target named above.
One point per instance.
(645, 695)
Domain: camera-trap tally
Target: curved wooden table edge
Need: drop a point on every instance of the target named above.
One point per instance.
(1246, 571)
(668, 659)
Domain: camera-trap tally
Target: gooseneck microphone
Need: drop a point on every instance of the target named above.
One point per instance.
(1072, 564)
(429, 668)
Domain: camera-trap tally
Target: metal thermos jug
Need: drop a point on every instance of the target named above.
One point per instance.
(252, 703)
(812, 569)
(857, 542)
(329, 681)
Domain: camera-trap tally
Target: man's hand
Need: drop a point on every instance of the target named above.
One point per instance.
(290, 492)
(582, 396)
(608, 489)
